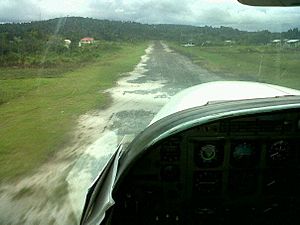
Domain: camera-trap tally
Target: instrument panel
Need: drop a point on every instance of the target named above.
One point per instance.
(237, 170)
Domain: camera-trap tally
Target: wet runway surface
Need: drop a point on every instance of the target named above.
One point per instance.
(136, 99)
(164, 73)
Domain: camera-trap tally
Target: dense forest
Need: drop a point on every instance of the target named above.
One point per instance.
(18, 40)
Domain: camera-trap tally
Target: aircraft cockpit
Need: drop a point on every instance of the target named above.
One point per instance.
(224, 162)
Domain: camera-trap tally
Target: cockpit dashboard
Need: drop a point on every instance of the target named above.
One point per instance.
(225, 162)
(240, 170)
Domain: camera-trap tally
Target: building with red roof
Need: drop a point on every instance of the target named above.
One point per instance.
(86, 40)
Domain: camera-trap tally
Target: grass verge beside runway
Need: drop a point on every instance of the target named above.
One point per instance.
(38, 114)
(270, 64)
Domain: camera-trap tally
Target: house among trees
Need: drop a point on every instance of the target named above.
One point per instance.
(229, 42)
(276, 42)
(86, 40)
(67, 43)
(189, 44)
(293, 42)
(286, 42)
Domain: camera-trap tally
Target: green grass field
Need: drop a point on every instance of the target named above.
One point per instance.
(38, 114)
(268, 64)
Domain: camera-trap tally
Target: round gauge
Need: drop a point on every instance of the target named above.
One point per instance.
(244, 155)
(208, 155)
(279, 151)
(208, 152)
(242, 151)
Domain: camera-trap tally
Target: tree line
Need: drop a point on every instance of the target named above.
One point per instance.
(18, 40)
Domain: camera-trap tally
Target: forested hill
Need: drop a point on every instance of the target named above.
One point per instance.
(74, 28)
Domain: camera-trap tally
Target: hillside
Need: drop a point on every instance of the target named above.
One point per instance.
(75, 28)
(26, 44)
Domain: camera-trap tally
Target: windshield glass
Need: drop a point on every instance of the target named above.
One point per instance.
(78, 77)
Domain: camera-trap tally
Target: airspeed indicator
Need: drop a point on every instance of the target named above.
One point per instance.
(208, 154)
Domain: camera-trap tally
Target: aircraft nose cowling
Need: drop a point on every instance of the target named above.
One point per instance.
(205, 93)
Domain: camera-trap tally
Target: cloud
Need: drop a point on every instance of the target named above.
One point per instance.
(244, 17)
(147, 11)
(18, 10)
(199, 13)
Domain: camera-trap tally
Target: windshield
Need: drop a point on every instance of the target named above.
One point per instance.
(78, 77)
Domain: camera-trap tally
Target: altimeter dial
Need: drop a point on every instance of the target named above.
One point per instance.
(279, 151)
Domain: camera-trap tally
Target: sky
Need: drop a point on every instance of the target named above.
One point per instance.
(192, 12)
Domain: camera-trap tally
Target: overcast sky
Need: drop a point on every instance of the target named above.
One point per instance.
(193, 12)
